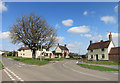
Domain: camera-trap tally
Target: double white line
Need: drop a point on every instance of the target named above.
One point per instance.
(10, 73)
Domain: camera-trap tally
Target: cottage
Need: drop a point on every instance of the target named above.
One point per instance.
(61, 51)
(100, 50)
(114, 54)
(27, 52)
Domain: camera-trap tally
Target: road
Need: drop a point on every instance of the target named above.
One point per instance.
(65, 70)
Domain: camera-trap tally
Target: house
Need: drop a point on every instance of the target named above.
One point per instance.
(27, 52)
(61, 51)
(114, 54)
(100, 50)
(5, 53)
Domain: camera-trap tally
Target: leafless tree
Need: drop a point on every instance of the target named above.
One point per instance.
(33, 31)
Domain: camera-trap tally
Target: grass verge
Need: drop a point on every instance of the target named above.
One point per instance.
(54, 59)
(97, 67)
(30, 61)
(1, 65)
(102, 62)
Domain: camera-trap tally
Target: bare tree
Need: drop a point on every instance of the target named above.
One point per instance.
(33, 31)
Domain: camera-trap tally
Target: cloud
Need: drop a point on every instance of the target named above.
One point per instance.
(80, 29)
(5, 36)
(108, 19)
(57, 26)
(68, 22)
(2, 7)
(60, 39)
(116, 8)
(88, 35)
(115, 38)
(97, 38)
(85, 13)
(74, 45)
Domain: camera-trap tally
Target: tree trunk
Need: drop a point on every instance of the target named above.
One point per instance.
(34, 54)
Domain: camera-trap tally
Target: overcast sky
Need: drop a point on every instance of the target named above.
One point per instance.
(76, 23)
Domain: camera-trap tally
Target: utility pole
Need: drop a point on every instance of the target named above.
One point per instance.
(41, 49)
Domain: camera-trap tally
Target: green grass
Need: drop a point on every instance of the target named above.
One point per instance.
(102, 62)
(30, 61)
(101, 68)
(1, 65)
(54, 59)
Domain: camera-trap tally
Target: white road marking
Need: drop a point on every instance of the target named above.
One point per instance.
(14, 74)
(9, 75)
(83, 72)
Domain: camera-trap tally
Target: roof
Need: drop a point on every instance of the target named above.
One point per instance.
(98, 45)
(63, 47)
(115, 51)
(27, 48)
(23, 48)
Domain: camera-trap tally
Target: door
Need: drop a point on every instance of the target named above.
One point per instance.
(96, 57)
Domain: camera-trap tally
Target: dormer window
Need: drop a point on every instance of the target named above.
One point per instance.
(103, 49)
(91, 50)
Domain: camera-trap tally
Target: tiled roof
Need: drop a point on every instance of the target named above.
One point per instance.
(97, 45)
(63, 47)
(23, 48)
(115, 51)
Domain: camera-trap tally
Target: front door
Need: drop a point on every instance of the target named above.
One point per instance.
(96, 57)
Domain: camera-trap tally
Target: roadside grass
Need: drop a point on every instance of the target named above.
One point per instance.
(72, 58)
(102, 62)
(54, 59)
(1, 65)
(30, 61)
(101, 68)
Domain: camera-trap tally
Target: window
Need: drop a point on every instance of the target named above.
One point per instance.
(103, 49)
(103, 56)
(91, 50)
(91, 56)
(23, 50)
(23, 54)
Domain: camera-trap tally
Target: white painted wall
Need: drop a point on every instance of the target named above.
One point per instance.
(110, 46)
(28, 53)
(99, 52)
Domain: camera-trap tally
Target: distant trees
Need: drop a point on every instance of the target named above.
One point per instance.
(34, 32)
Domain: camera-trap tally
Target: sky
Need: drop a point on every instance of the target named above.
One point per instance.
(76, 22)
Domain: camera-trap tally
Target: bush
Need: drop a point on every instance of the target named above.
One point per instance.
(9, 54)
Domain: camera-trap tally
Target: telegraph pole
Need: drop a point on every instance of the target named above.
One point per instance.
(41, 49)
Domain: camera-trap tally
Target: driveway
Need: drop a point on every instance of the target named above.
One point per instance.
(66, 70)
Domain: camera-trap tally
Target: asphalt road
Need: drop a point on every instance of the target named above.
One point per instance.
(66, 70)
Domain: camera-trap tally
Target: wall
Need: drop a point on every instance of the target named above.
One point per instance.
(115, 58)
(99, 52)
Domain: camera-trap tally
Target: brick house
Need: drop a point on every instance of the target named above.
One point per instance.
(114, 54)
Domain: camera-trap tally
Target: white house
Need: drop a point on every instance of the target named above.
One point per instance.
(61, 51)
(100, 50)
(26, 52)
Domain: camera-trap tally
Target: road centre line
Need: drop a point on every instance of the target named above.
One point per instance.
(9, 75)
(14, 74)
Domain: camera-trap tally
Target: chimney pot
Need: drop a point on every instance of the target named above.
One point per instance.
(65, 45)
(90, 41)
(110, 37)
(58, 44)
(101, 40)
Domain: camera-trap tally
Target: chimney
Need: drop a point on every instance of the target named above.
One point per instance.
(58, 44)
(110, 37)
(65, 45)
(101, 40)
(25, 45)
(90, 41)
